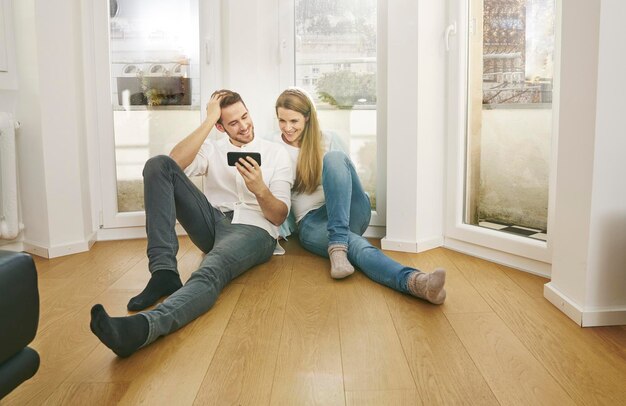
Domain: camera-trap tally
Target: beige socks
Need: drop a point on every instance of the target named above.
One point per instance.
(428, 286)
(340, 267)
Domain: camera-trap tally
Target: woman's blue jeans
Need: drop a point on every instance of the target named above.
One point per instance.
(231, 249)
(343, 220)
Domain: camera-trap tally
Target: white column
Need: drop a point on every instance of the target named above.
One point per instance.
(53, 162)
(415, 125)
(589, 233)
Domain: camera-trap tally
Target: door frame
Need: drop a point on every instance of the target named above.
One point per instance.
(113, 224)
(520, 252)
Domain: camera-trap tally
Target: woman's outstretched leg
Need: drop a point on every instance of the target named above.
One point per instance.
(373, 262)
(347, 207)
(384, 270)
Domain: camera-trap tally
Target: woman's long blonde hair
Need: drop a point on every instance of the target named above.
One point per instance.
(309, 165)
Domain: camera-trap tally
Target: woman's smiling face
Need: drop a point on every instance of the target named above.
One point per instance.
(292, 125)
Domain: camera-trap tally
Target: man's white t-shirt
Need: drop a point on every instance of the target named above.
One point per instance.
(225, 188)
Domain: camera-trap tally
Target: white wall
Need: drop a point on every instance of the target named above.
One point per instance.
(29, 141)
(49, 103)
(589, 232)
(59, 34)
(251, 64)
(606, 279)
(415, 130)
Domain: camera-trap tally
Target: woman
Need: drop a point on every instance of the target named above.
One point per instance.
(331, 209)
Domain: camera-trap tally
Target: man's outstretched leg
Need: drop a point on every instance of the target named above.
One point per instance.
(239, 248)
(123, 335)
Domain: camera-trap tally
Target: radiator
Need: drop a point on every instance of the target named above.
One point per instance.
(10, 226)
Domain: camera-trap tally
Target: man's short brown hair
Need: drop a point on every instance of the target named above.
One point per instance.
(228, 99)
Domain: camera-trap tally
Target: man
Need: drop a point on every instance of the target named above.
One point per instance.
(234, 222)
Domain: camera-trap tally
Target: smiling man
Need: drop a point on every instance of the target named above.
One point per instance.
(233, 221)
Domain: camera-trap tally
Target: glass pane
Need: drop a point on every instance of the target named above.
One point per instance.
(336, 64)
(510, 115)
(154, 85)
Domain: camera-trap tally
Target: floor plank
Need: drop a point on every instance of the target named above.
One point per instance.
(443, 370)
(461, 295)
(373, 358)
(567, 351)
(531, 284)
(286, 333)
(388, 397)
(512, 372)
(242, 369)
(84, 393)
(178, 360)
(308, 369)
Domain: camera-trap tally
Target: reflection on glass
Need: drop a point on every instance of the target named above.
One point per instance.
(154, 85)
(336, 64)
(509, 115)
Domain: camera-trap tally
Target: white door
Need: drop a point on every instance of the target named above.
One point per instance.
(154, 71)
(501, 125)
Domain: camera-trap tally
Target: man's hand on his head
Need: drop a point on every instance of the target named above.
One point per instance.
(213, 109)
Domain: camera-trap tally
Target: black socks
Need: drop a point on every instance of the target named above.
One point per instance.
(162, 283)
(123, 335)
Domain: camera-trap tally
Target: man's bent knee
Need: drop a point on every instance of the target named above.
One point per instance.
(156, 164)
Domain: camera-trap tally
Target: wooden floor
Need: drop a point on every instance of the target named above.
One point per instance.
(286, 333)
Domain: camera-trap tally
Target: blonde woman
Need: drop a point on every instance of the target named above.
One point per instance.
(331, 208)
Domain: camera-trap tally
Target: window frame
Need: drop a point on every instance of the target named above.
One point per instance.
(534, 255)
(287, 78)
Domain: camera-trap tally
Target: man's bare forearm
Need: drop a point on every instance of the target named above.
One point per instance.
(186, 150)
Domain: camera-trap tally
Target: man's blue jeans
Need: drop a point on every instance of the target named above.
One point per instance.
(343, 220)
(231, 249)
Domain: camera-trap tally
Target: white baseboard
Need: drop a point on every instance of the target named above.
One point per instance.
(500, 257)
(59, 250)
(563, 303)
(604, 317)
(596, 317)
(398, 245)
(411, 246)
(128, 233)
(429, 243)
(36, 249)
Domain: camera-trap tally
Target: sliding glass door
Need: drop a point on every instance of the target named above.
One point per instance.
(501, 72)
(155, 93)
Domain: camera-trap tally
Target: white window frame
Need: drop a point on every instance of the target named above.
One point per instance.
(521, 252)
(113, 224)
(287, 78)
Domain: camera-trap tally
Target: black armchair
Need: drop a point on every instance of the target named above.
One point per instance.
(19, 317)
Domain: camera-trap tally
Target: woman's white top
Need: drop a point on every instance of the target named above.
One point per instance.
(302, 203)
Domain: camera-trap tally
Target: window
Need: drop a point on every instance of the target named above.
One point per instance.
(335, 61)
(510, 116)
(155, 91)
